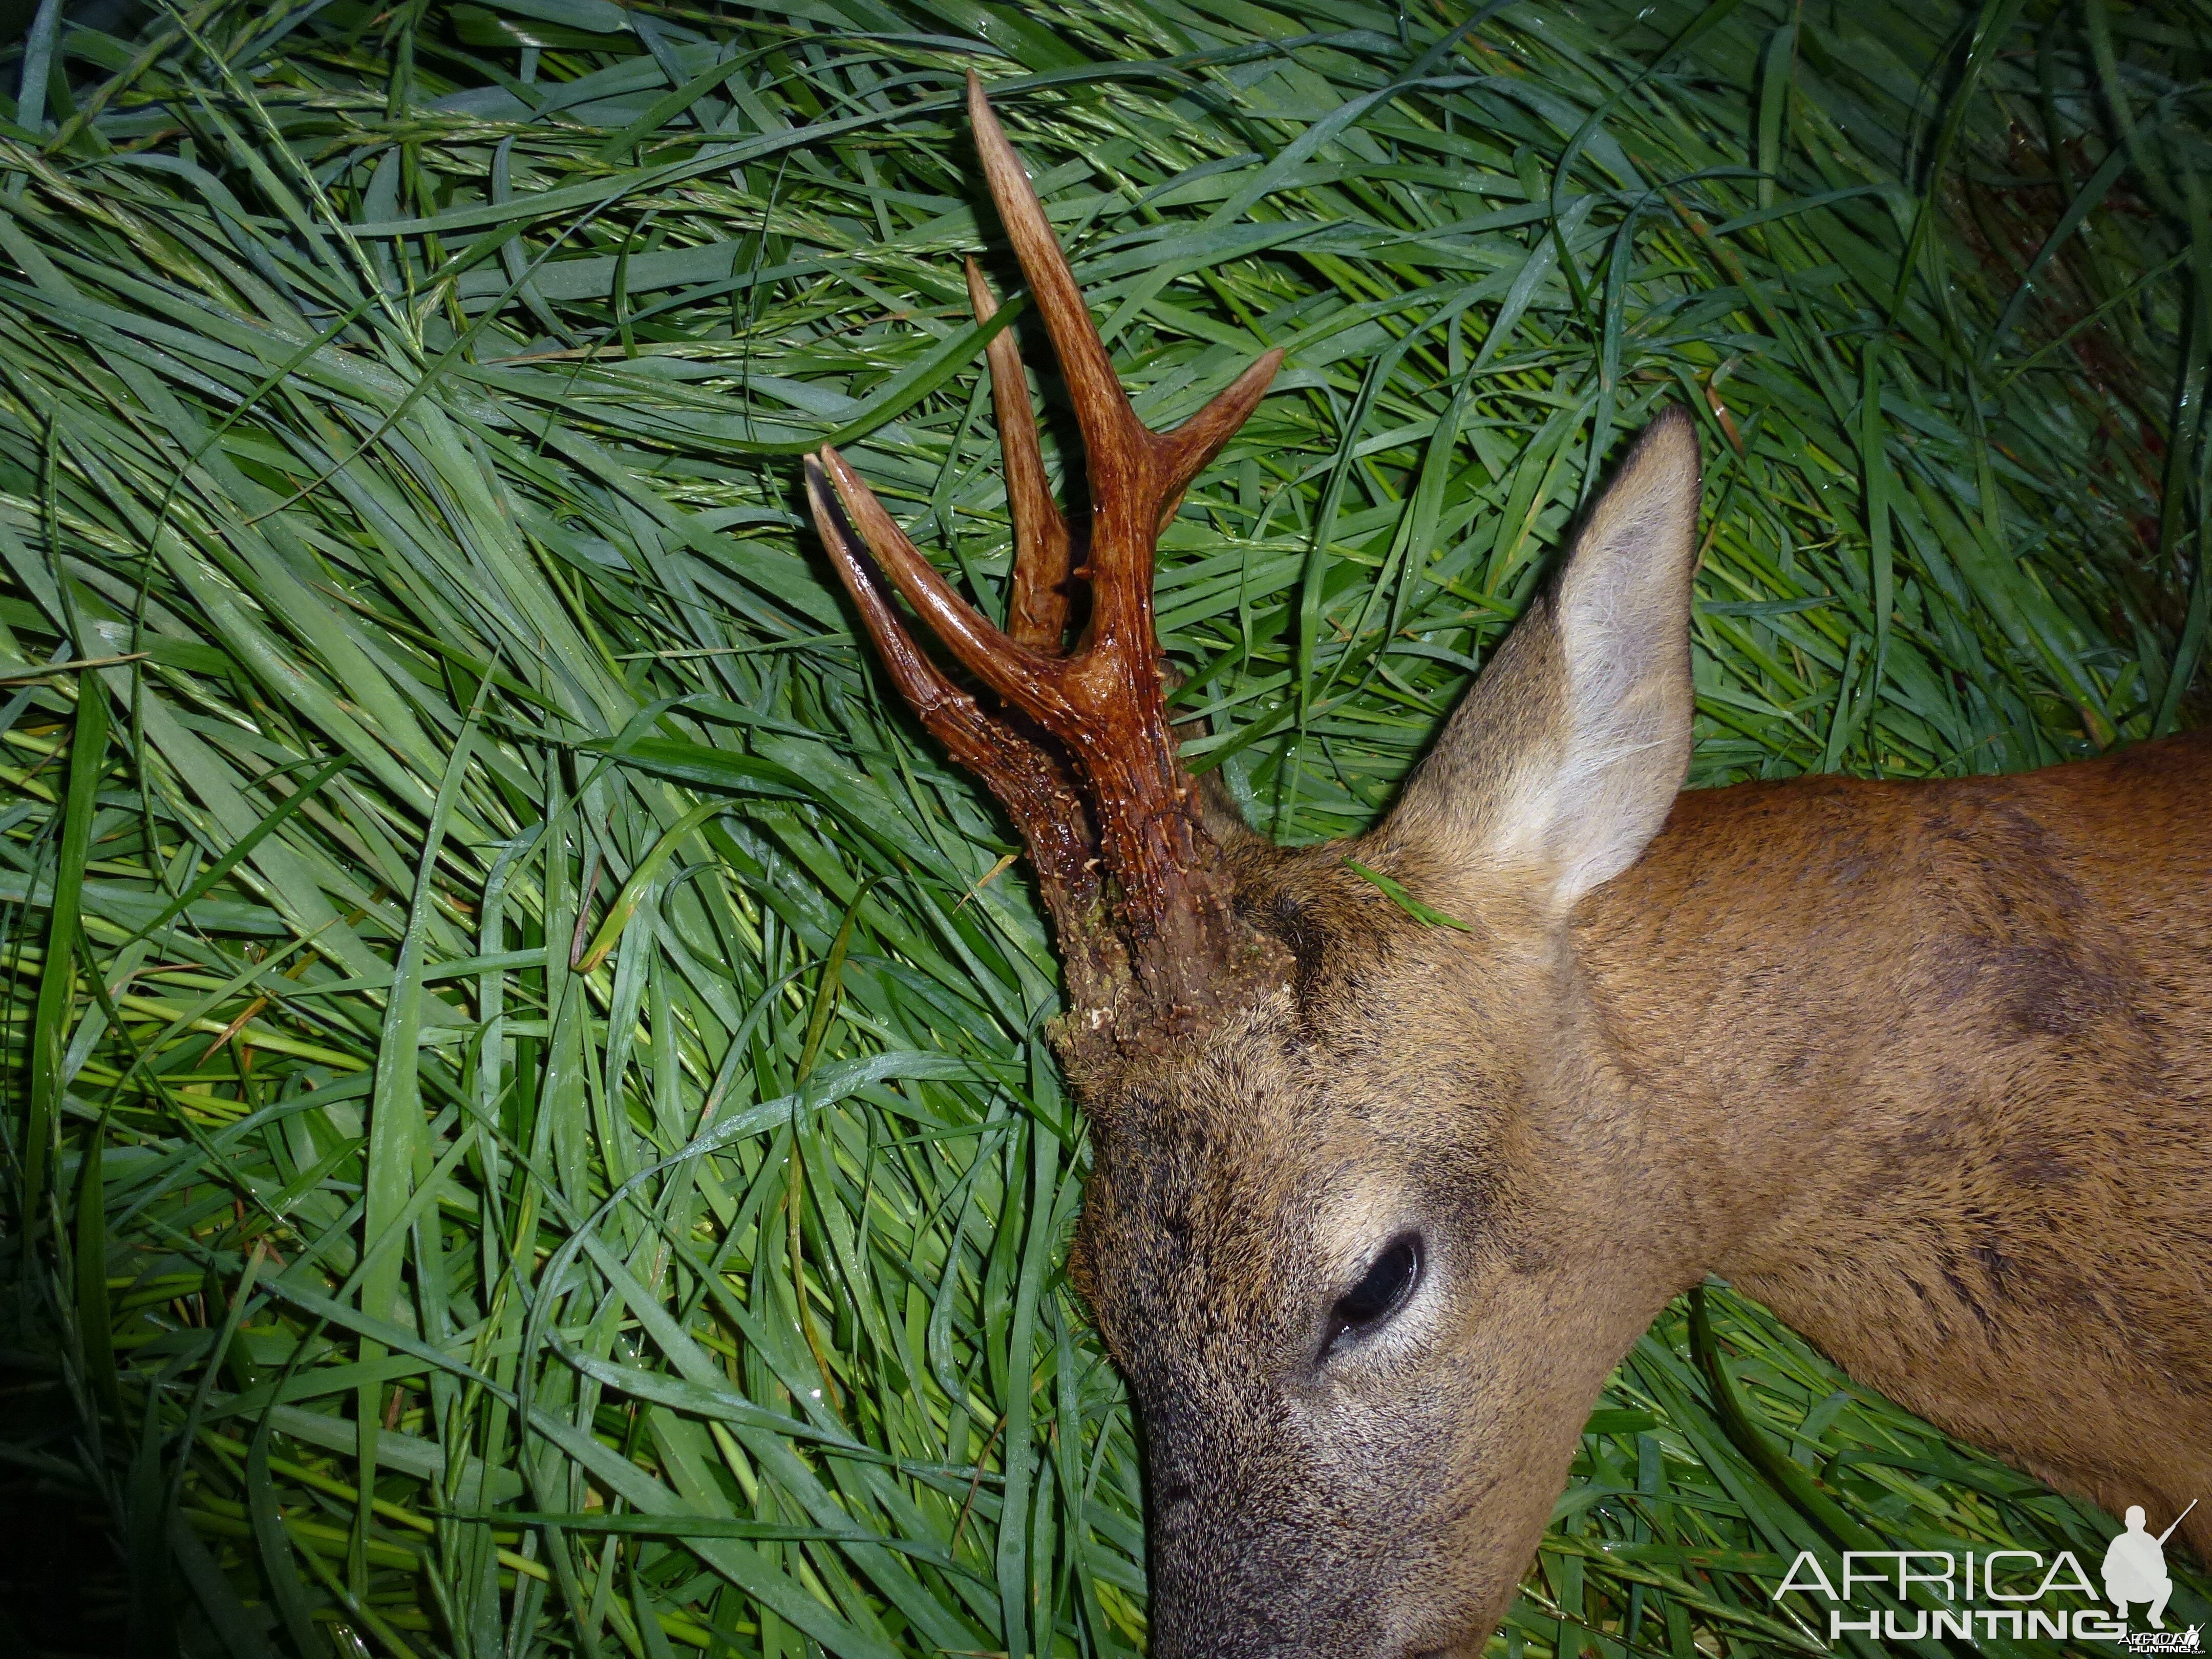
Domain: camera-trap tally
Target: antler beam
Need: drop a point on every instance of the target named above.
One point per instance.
(1081, 751)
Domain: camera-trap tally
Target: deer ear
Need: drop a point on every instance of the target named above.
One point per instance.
(1564, 759)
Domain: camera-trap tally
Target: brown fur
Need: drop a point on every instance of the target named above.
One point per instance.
(1924, 1066)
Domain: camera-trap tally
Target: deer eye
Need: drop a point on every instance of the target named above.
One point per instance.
(1381, 1291)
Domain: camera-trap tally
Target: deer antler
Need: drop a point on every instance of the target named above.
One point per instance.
(1079, 751)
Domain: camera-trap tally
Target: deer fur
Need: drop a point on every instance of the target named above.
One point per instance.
(1926, 1067)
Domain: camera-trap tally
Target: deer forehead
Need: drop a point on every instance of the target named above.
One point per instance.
(1274, 1150)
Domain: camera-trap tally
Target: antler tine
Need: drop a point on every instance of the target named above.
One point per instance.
(1137, 475)
(1037, 610)
(1029, 680)
(1198, 439)
(1030, 781)
(1101, 408)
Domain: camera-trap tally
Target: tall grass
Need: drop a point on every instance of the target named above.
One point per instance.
(528, 1131)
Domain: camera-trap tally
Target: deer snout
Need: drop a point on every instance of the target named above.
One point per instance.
(1231, 1585)
(1285, 1626)
(1280, 1632)
(1227, 1585)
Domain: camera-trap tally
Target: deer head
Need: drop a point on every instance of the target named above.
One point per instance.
(1340, 1234)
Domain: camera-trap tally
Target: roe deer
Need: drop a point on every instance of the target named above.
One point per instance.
(1377, 1205)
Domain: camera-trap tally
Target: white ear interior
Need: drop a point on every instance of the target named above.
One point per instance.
(1566, 756)
(1623, 615)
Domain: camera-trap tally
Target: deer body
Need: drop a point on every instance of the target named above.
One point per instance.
(1934, 1062)
(1377, 1202)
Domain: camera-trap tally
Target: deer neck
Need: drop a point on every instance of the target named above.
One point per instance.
(1752, 985)
(1898, 1057)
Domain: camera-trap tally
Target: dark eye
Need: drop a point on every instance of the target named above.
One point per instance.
(1380, 1292)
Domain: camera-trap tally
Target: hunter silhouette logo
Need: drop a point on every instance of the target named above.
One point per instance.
(2135, 1566)
(2135, 1571)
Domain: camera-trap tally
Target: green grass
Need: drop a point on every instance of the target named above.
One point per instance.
(528, 1130)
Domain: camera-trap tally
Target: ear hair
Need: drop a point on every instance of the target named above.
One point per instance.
(1567, 753)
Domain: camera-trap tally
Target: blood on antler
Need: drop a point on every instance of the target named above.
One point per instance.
(1077, 745)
